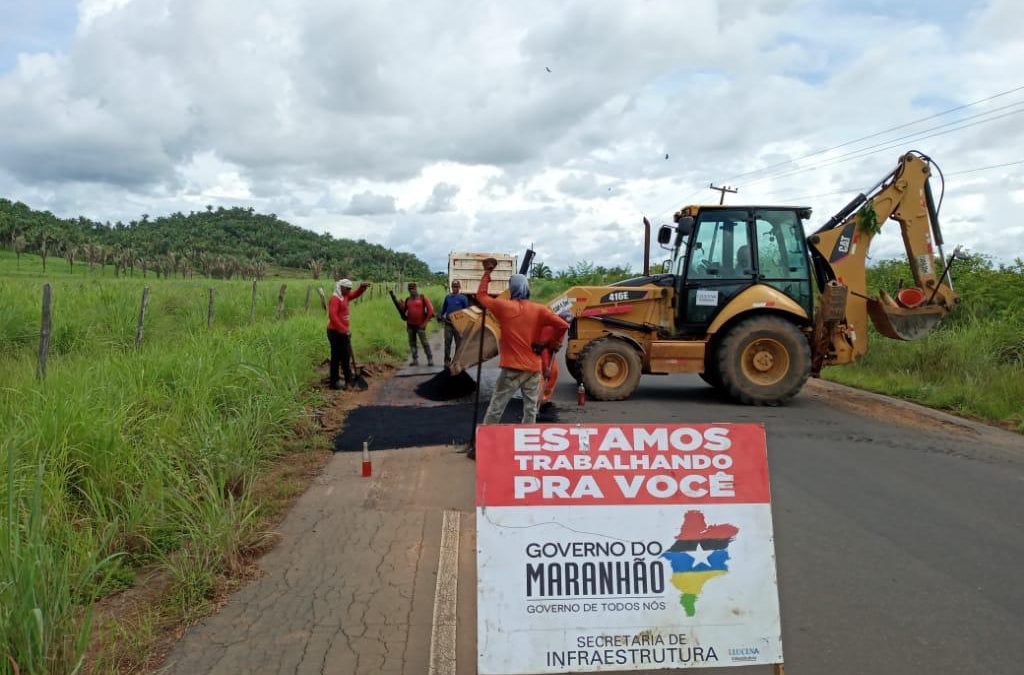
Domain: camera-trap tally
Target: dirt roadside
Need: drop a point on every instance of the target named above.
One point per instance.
(134, 630)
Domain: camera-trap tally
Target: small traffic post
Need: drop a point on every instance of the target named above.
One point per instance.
(367, 468)
(624, 547)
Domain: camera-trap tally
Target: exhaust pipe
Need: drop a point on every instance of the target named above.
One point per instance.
(647, 247)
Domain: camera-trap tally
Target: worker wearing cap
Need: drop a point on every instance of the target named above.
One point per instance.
(338, 330)
(520, 345)
(453, 302)
(418, 311)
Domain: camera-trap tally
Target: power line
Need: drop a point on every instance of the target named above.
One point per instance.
(910, 136)
(879, 133)
(851, 190)
(948, 111)
(985, 168)
(899, 142)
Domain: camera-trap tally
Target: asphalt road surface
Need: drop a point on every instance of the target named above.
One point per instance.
(899, 542)
(899, 534)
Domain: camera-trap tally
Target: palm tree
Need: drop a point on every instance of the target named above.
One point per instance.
(317, 265)
(43, 239)
(19, 246)
(540, 271)
(70, 252)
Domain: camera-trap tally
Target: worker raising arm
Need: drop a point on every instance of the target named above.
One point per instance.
(338, 330)
(519, 347)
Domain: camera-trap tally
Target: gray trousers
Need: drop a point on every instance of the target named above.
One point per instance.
(450, 336)
(420, 331)
(509, 382)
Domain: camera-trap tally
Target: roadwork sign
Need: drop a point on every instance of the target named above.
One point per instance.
(624, 547)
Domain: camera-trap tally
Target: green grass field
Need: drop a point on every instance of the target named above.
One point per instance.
(128, 457)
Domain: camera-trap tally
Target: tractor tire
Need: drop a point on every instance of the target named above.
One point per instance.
(610, 369)
(764, 360)
(711, 374)
(573, 366)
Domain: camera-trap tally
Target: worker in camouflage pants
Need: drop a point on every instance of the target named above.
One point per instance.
(519, 346)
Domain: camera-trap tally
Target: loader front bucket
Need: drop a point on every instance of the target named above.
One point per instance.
(467, 327)
(900, 323)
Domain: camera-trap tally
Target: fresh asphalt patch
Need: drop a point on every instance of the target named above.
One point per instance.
(387, 427)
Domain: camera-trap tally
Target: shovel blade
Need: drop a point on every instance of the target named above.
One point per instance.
(467, 325)
(899, 323)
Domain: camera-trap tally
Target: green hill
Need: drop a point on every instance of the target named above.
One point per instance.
(217, 242)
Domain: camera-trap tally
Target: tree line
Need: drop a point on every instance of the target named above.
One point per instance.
(218, 243)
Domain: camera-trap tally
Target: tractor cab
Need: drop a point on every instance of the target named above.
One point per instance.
(718, 252)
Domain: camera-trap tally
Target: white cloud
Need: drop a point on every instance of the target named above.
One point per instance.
(441, 199)
(369, 204)
(334, 114)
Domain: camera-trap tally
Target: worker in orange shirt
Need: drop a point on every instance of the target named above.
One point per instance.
(549, 366)
(521, 344)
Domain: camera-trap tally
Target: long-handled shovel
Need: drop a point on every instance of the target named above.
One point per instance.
(359, 376)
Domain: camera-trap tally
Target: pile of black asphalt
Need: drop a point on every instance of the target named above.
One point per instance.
(446, 387)
(390, 427)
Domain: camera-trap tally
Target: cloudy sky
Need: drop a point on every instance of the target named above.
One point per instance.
(434, 125)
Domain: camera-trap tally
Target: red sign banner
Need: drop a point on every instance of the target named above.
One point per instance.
(604, 464)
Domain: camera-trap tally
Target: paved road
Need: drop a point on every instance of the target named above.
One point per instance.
(899, 537)
(899, 540)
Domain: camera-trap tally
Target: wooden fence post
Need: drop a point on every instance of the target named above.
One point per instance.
(252, 307)
(209, 311)
(309, 291)
(323, 298)
(142, 316)
(280, 301)
(44, 333)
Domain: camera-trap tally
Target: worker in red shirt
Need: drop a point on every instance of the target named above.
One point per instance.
(527, 330)
(418, 311)
(338, 330)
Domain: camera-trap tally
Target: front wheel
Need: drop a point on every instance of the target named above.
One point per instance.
(764, 360)
(610, 369)
(573, 366)
(711, 374)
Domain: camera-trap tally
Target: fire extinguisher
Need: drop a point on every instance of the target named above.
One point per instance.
(581, 395)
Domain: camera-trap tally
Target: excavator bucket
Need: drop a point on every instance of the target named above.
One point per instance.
(467, 324)
(900, 323)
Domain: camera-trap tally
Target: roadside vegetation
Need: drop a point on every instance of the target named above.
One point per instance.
(216, 242)
(972, 364)
(545, 283)
(126, 459)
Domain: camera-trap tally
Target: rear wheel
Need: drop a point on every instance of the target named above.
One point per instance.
(764, 360)
(610, 369)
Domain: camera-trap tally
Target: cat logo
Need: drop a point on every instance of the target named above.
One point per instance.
(844, 245)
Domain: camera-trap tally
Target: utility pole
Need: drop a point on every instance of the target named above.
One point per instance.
(722, 190)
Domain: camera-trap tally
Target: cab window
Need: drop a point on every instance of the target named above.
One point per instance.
(780, 245)
(721, 249)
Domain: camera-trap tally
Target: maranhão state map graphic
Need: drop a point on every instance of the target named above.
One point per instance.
(699, 554)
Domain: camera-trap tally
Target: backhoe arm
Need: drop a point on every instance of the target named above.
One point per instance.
(840, 248)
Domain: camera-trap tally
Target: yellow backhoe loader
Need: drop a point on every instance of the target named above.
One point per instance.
(751, 303)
